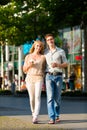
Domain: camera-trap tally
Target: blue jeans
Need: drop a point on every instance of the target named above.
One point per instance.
(53, 89)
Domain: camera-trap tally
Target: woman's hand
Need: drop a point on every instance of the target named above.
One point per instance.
(30, 63)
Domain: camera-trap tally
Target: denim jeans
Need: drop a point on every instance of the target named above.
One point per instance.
(53, 89)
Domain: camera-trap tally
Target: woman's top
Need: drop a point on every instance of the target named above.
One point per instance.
(36, 72)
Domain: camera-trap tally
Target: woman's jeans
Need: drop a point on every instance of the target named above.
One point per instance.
(53, 89)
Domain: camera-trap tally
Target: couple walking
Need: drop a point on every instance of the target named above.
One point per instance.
(40, 64)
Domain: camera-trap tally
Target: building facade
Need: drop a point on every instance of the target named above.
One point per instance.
(74, 44)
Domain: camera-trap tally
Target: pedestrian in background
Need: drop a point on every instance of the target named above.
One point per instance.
(72, 79)
(34, 66)
(6, 82)
(56, 61)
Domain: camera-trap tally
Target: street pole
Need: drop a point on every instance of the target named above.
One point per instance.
(2, 65)
(19, 67)
(85, 57)
(82, 61)
(7, 59)
(84, 54)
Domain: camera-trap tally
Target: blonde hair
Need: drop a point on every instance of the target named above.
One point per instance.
(33, 46)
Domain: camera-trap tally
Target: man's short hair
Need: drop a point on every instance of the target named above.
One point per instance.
(49, 34)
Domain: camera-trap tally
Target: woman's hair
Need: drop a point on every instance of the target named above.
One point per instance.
(33, 46)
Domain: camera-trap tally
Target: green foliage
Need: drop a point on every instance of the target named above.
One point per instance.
(5, 92)
(74, 94)
(21, 20)
(64, 94)
(4, 2)
(58, 41)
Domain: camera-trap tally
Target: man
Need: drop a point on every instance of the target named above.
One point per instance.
(56, 61)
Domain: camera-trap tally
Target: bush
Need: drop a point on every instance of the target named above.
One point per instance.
(5, 92)
(75, 94)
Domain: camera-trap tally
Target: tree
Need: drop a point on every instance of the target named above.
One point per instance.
(66, 12)
(4, 2)
(22, 21)
(9, 24)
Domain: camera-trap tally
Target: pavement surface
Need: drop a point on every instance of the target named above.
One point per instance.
(15, 114)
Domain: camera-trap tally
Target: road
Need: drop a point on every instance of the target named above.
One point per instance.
(73, 111)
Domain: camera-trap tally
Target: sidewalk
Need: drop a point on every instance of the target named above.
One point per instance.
(24, 122)
(15, 114)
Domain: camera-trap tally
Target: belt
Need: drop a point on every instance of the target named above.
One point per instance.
(55, 73)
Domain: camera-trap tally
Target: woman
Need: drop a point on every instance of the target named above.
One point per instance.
(34, 66)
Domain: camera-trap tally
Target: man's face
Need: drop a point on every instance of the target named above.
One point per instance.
(50, 40)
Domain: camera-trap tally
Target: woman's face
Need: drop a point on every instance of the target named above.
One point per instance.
(38, 47)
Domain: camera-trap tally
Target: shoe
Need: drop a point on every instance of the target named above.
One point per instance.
(51, 122)
(35, 121)
(57, 120)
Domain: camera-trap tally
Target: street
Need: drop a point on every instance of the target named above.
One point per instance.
(10, 105)
(73, 111)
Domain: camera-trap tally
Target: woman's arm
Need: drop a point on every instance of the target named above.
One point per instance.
(27, 64)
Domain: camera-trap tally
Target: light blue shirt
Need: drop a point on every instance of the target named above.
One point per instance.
(57, 56)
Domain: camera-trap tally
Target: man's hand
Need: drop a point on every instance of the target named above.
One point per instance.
(55, 65)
